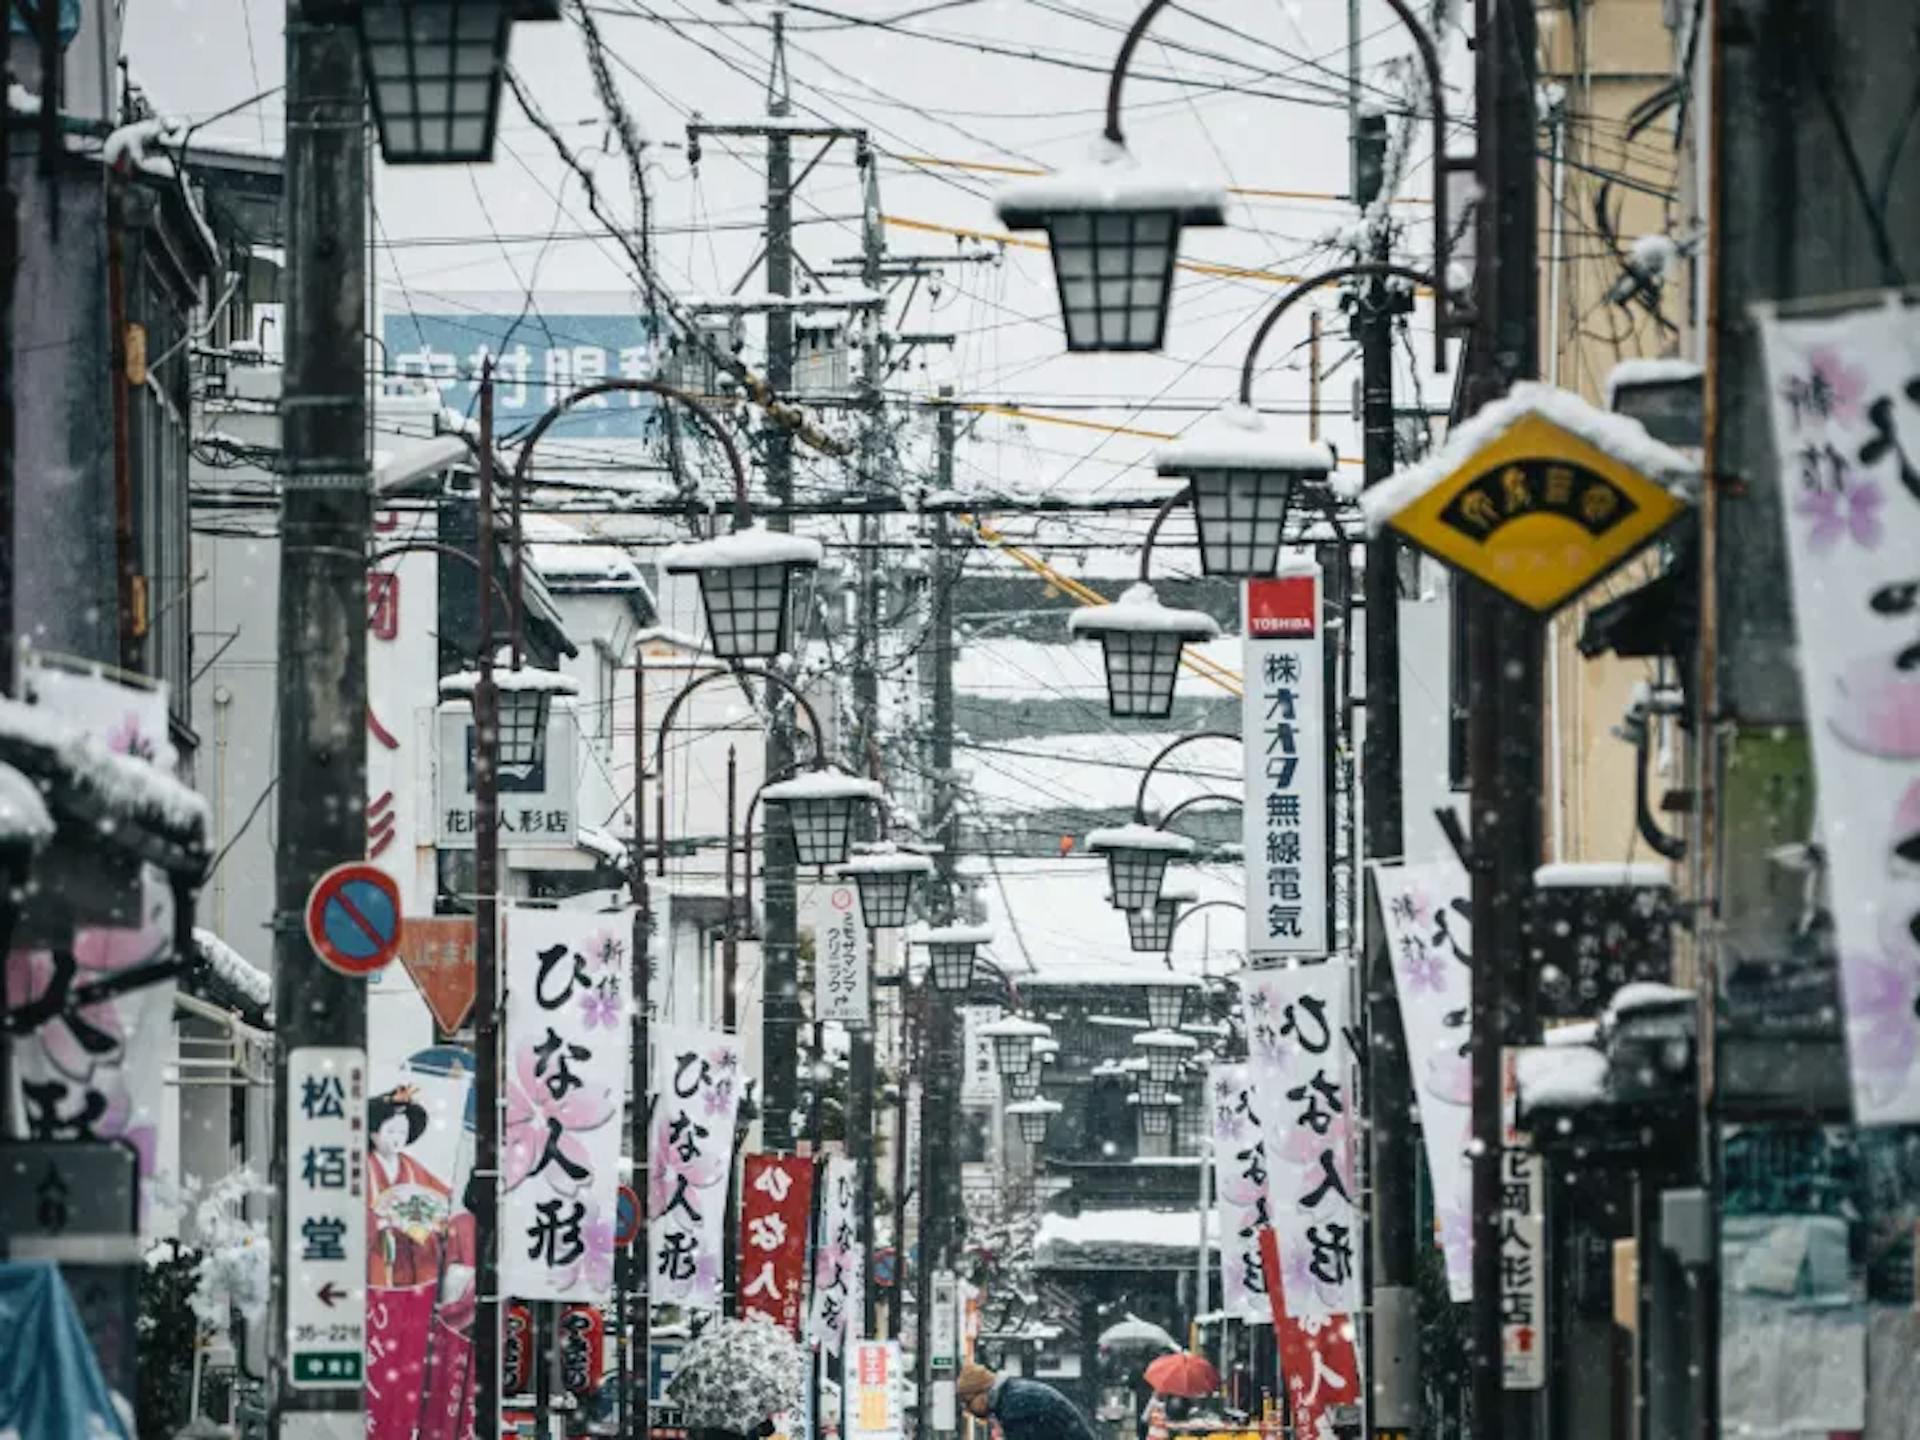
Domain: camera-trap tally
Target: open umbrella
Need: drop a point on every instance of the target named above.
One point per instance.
(1133, 1333)
(1187, 1375)
(737, 1375)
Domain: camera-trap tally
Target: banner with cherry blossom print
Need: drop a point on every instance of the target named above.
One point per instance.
(1299, 1059)
(1845, 393)
(837, 1256)
(1240, 1190)
(566, 1078)
(1427, 912)
(695, 1093)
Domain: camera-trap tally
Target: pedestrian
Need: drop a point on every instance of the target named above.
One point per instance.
(1025, 1409)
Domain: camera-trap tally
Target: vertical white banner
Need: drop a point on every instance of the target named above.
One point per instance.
(1523, 1256)
(1846, 425)
(842, 987)
(1240, 1189)
(1299, 1060)
(836, 1256)
(696, 1094)
(979, 1081)
(1283, 724)
(326, 1217)
(565, 1072)
(1427, 911)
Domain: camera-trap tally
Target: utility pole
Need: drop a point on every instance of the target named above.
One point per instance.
(939, 1087)
(1504, 660)
(325, 518)
(1393, 1347)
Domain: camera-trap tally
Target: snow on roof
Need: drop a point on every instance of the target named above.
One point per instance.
(1113, 181)
(554, 545)
(823, 785)
(1658, 371)
(1561, 1076)
(1569, 874)
(1013, 1027)
(129, 787)
(1139, 837)
(23, 810)
(1237, 438)
(1082, 1236)
(755, 545)
(600, 842)
(393, 469)
(1640, 995)
(239, 973)
(1139, 611)
(1625, 440)
(463, 683)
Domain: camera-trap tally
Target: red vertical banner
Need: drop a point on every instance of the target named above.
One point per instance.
(583, 1345)
(1318, 1362)
(776, 1197)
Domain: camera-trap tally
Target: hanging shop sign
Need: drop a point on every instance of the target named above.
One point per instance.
(836, 1256)
(1319, 1363)
(1523, 1256)
(326, 1299)
(1283, 722)
(1538, 495)
(1299, 1061)
(696, 1094)
(538, 800)
(776, 1198)
(582, 1337)
(1427, 916)
(566, 1073)
(874, 1409)
(1240, 1190)
(843, 988)
(1845, 393)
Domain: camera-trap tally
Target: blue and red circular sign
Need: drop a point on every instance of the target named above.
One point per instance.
(627, 1217)
(353, 918)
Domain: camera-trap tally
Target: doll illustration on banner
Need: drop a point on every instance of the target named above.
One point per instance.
(407, 1204)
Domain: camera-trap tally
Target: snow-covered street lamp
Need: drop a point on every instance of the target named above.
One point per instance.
(1137, 857)
(746, 580)
(1025, 1084)
(1166, 1052)
(950, 955)
(1167, 1000)
(1150, 928)
(1242, 479)
(1156, 1116)
(1013, 1040)
(525, 701)
(434, 71)
(1033, 1116)
(1142, 640)
(822, 804)
(885, 878)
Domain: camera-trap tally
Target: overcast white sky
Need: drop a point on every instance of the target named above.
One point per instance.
(920, 97)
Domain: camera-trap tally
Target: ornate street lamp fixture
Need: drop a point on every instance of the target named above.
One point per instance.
(1150, 928)
(1137, 857)
(434, 70)
(1167, 1000)
(525, 701)
(950, 955)
(1013, 1041)
(1156, 1116)
(1241, 479)
(1025, 1084)
(1142, 640)
(1033, 1116)
(746, 579)
(1166, 1052)
(822, 804)
(885, 878)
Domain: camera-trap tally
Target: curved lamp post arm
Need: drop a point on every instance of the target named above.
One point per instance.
(1153, 530)
(1146, 777)
(1009, 991)
(710, 422)
(1192, 910)
(1166, 820)
(1380, 270)
(673, 709)
(436, 547)
(1135, 34)
(787, 772)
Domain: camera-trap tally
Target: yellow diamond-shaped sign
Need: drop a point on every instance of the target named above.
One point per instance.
(1538, 512)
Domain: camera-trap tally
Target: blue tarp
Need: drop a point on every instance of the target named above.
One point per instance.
(51, 1387)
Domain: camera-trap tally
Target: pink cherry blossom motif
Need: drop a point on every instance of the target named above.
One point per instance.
(594, 1269)
(1845, 385)
(1879, 706)
(544, 1116)
(127, 738)
(600, 1008)
(1425, 970)
(1883, 999)
(1851, 512)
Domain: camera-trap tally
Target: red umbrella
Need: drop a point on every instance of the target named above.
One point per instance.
(1189, 1376)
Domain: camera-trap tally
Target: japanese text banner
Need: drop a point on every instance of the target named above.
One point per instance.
(695, 1092)
(776, 1197)
(837, 1256)
(1240, 1190)
(566, 1071)
(1846, 425)
(1427, 913)
(1319, 1363)
(1298, 1059)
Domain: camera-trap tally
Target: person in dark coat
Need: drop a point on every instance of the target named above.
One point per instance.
(1025, 1409)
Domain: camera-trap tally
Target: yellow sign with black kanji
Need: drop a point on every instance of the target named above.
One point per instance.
(1538, 513)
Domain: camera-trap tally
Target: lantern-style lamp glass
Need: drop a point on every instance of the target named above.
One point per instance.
(1152, 1091)
(1166, 1052)
(950, 955)
(434, 70)
(1167, 1002)
(1156, 1116)
(885, 878)
(1137, 857)
(746, 579)
(1242, 480)
(1114, 231)
(1033, 1116)
(1013, 1040)
(822, 805)
(523, 700)
(1142, 640)
(1024, 1085)
(1150, 928)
